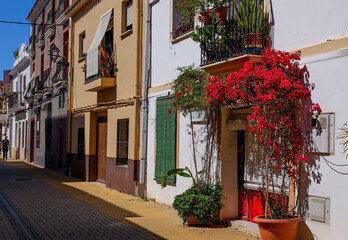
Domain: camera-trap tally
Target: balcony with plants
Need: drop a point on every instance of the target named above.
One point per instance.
(40, 41)
(230, 32)
(105, 76)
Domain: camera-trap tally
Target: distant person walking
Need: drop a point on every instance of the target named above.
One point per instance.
(5, 144)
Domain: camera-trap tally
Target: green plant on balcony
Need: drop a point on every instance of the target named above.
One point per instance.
(189, 8)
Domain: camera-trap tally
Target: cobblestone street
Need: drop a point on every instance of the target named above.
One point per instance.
(37, 203)
(31, 209)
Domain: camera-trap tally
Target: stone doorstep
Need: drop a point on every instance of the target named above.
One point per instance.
(246, 227)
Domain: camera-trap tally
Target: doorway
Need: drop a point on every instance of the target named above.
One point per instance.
(101, 148)
(60, 146)
(32, 132)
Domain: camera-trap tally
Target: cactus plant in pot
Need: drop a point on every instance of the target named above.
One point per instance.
(252, 22)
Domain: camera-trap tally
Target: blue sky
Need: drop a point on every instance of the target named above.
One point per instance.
(12, 35)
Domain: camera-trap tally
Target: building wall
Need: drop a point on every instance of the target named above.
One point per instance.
(86, 19)
(43, 155)
(310, 32)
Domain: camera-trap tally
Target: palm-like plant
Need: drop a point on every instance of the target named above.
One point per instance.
(250, 16)
(343, 136)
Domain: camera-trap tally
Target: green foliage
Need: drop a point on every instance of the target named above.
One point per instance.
(204, 206)
(184, 172)
(189, 8)
(250, 16)
(189, 90)
(83, 68)
(343, 135)
(218, 3)
(16, 53)
(144, 198)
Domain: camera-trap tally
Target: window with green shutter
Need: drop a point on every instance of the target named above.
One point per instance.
(165, 138)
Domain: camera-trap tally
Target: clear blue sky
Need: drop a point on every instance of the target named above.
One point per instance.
(12, 35)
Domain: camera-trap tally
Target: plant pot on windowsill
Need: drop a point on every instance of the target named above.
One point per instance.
(221, 13)
(278, 229)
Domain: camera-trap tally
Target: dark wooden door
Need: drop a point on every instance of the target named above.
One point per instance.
(32, 132)
(102, 133)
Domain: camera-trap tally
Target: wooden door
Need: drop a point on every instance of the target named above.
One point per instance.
(32, 132)
(102, 133)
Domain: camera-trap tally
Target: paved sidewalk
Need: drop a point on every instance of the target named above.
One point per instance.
(145, 219)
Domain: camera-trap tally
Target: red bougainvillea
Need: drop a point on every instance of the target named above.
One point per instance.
(277, 91)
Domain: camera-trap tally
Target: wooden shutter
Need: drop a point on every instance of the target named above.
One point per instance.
(80, 143)
(165, 138)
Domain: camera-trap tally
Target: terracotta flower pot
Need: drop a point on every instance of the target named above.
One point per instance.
(206, 18)
(277, 229)
(192, 220)
(221, 13)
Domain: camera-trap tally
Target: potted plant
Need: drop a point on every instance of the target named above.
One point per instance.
(251, 22)
(106, 61)
(220, 9)
(202, 201)
(277, 91)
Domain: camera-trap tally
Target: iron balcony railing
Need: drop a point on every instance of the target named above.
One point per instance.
(242, 32)
(62, 6)
(48, 21)
(181, 30)
(106, 63)
(13, 101)
(61, 73)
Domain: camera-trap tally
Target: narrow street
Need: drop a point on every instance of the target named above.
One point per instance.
(38, 203)
(31, 209)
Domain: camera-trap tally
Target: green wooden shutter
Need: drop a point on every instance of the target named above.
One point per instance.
(165, 138)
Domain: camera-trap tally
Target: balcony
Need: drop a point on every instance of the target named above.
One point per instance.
(40, 42)
(15, 104)
(226, 44)
(60, 77)
(62, 6)
(106, 77)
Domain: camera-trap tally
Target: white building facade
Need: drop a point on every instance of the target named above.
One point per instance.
(17, 114)
(295, 26)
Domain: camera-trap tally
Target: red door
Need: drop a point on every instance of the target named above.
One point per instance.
(32, 137)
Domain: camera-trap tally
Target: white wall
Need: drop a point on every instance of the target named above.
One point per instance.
(329, 73)
(166, 58)
(301, 23)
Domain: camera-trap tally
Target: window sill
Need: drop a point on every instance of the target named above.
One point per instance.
(81, 59)
(122, 165)
(168, 183)
(126, 34)
(182, 37)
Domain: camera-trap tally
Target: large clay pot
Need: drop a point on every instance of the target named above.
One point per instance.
(221, 13)
(206, 18)
(277, 229)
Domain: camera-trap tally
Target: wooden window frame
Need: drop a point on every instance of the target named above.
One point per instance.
(124, 160)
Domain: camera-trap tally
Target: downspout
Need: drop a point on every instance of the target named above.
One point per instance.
(145, 102)
(70, 94)
(138, 96)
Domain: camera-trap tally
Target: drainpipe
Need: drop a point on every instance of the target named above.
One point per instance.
(70, 93)
(144, 106)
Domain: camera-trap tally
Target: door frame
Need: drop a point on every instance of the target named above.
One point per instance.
(60, 160)
(32, 140)
(101, 119)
